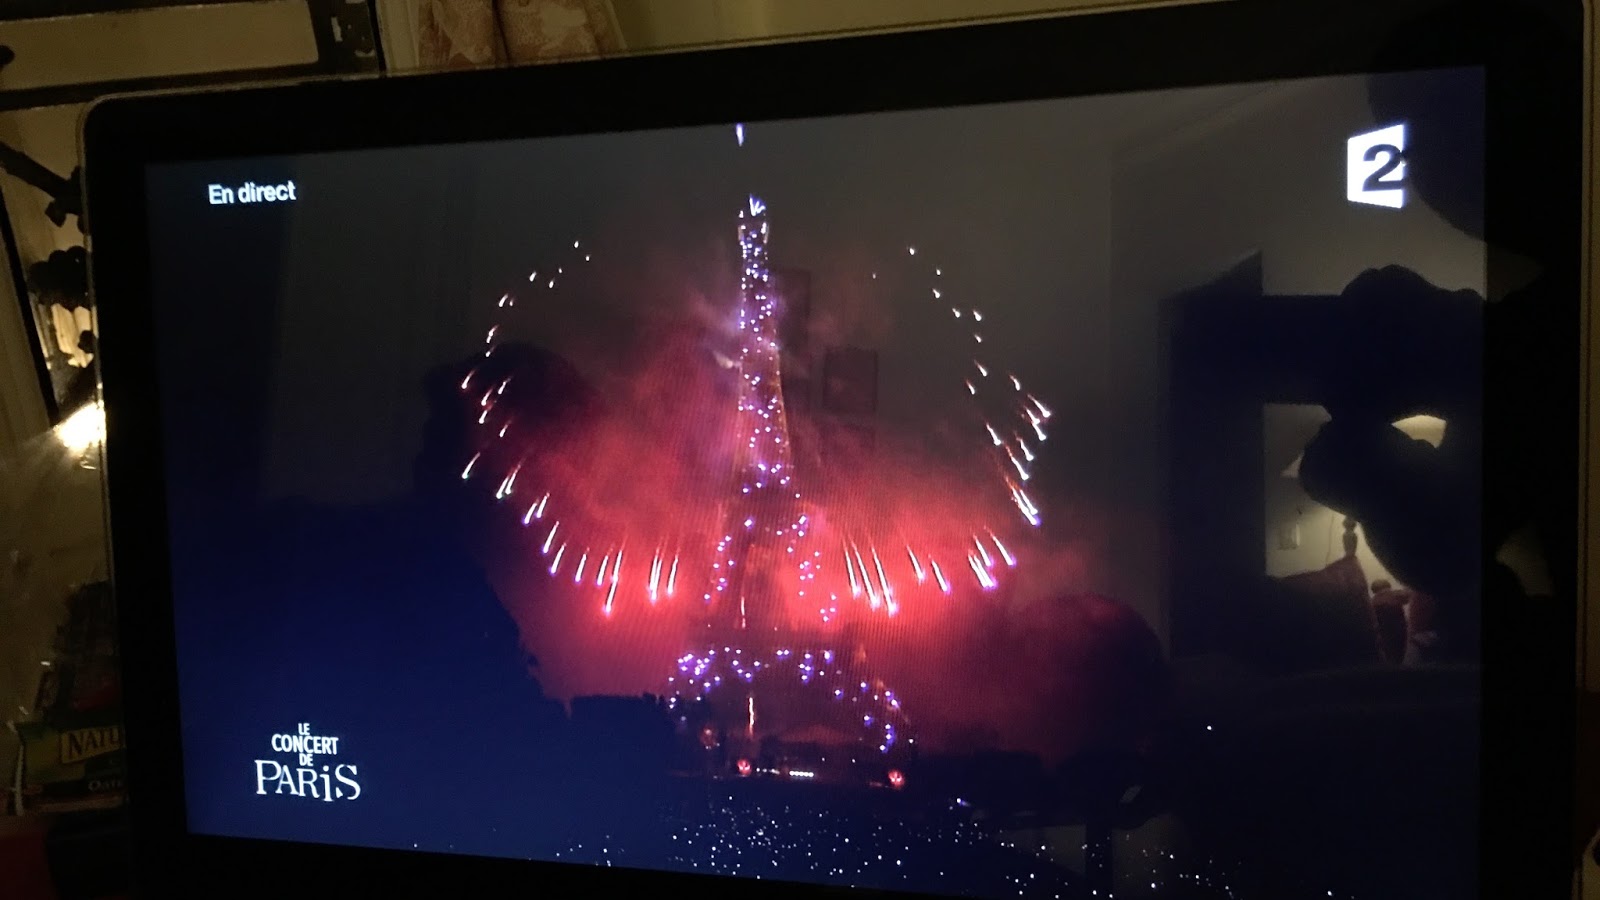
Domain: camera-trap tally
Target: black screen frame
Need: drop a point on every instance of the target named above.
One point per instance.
(1527, 751)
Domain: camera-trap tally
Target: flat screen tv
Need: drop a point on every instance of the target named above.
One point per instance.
(1128, 455)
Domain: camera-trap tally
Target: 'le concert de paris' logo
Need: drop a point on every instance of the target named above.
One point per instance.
(303, 776)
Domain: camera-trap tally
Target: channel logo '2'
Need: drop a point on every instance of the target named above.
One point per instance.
(1375, 167)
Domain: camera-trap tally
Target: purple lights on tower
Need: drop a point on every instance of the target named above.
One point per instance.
(757, 680)
(766, 524)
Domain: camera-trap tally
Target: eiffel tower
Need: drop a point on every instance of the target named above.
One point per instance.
(764, 559)
(762, 547)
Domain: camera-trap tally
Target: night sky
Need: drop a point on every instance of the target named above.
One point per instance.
(1011, 202)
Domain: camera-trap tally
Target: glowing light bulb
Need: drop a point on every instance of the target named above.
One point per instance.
(85, 429)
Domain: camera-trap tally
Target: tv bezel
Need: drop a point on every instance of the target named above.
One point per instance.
(1526, 756)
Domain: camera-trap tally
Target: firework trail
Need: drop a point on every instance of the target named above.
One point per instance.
(776, 515)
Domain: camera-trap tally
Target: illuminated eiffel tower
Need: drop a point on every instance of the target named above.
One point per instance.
(756, 676)
(762, 555)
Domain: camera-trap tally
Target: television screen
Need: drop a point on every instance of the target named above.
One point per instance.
(1016, 500)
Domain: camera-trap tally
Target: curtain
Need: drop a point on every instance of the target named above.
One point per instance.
(466, 33)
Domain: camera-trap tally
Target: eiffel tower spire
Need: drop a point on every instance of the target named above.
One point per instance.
(760, 554)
